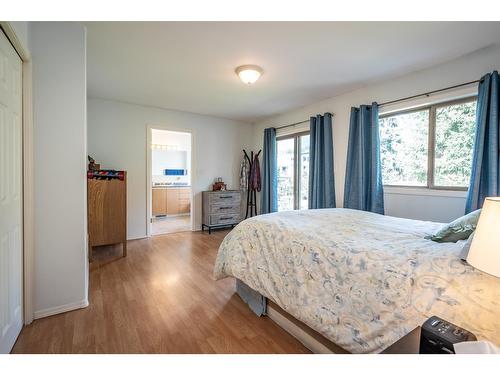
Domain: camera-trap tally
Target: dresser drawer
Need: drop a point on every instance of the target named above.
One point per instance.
(231, 218)
(224, 198)
(225, 208)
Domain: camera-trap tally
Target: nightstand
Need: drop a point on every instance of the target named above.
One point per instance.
(409, 344)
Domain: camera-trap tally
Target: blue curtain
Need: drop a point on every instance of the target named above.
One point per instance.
(269, 192)
(321, 180)
(363, 181)
(485, 174)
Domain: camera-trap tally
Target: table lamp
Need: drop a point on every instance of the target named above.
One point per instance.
(484, 253)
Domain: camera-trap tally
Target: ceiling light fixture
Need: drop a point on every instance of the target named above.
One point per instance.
(249, 73)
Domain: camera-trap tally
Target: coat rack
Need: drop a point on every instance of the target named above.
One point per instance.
(251, 193)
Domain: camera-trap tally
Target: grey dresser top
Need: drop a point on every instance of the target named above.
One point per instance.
(222, 191)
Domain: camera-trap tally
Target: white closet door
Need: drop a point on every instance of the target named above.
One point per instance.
(11, 248)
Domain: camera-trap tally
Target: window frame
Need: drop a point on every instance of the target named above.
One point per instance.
(431, 141)
(296, 164)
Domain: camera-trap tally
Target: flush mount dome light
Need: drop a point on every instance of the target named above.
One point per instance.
(249, 73)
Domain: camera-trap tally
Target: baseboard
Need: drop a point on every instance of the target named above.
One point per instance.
(137, 238)
(61, 309)
(170, 215)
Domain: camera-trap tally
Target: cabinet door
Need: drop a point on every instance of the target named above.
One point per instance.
(159, 204)
(107, 211)
(172, 201)
(184, 200)
(184, 206)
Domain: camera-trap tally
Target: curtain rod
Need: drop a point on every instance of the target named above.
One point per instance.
(398, 100)
(429, 93)
(296, 123)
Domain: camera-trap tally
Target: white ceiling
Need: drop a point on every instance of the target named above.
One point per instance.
(189, 66)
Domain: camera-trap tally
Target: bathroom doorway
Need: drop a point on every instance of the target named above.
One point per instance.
(170, 178)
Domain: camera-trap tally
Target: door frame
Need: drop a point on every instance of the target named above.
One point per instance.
(28, 242)
(149, 185)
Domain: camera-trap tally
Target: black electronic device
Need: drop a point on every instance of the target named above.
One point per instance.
(437, 336)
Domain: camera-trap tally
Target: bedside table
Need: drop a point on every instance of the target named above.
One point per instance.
(409, 344)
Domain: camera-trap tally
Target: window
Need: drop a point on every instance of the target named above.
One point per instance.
(429, 147)
(293, 171)
(404, 148)
(286, 174)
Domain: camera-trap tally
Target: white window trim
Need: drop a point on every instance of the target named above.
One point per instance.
(424, 191)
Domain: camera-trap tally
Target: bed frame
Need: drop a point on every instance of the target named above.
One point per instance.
(261, 305)
(311, 339)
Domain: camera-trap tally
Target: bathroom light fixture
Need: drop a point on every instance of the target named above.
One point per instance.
(155, 146)
(249, 73)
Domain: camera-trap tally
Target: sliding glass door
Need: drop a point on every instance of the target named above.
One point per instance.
(293, 171)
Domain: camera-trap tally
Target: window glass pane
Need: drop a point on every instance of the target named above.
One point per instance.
(304, 172)
(404, 147)
(286, 171)
(455, 129)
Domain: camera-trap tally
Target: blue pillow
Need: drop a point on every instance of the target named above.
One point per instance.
(459, 229)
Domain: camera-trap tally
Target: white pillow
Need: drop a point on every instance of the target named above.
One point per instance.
(465, 249)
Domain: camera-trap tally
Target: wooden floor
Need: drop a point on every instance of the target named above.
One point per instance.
(175, 224)
(161, 298)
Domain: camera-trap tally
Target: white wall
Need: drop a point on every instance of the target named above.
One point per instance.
(117, 139)
(166, 159)
(58, 50)
(414, 205)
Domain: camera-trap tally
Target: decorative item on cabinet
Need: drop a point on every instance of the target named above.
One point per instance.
(219, 185)
(93, 166)
(220, 209)
(107, 209)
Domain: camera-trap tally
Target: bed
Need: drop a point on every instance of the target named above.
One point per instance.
(360, 279)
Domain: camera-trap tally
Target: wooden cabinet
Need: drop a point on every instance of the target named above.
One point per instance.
(159, 204)
(184, 201)
(107, 212)
(171, 201)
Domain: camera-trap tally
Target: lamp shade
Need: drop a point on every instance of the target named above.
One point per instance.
(484, 253)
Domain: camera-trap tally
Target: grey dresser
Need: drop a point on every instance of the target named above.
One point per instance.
(220, 209)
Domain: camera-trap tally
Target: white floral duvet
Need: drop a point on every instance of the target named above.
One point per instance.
(362, 280)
